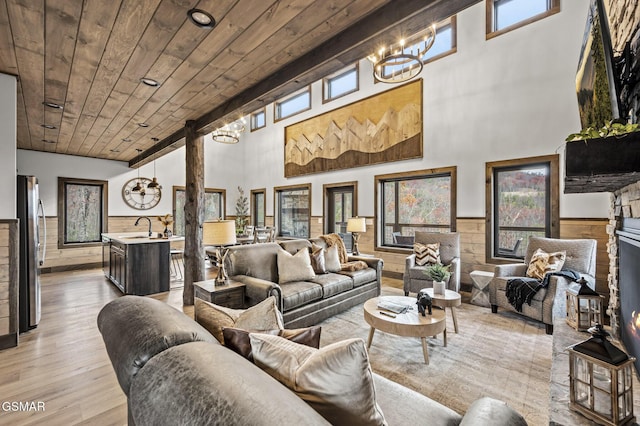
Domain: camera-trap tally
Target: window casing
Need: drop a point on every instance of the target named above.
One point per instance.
(293, 210)
(522, 200)
(340, 84)
(258, 207)
(422, 201)
(258, 119)
(507, 15)
(292, 105)
(82, 207)
(214, 206)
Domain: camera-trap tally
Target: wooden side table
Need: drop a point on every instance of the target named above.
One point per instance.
(230, 295)
(450, 299)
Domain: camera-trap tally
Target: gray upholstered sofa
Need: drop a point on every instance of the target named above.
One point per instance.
(302, 303)
(174, 372)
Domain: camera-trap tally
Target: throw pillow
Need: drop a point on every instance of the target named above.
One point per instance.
(332, 259)
(336, 380)
(263, 316)
(294, 267)
(317, 259)
(427, 254)
(238, 340)
(542, 262)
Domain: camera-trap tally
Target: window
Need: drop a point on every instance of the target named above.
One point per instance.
(522, 200)
(258, 207)
(214, 206)
(258, 119)
(293, 207)
(443, 45)
(506, 15)
(417, 201)
(82, 207)
(294, 104)
(339, 84)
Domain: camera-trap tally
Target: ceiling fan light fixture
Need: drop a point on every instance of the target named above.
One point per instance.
(201, 18)
(149, 82)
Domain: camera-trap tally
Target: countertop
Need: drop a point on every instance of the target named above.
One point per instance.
(138, 238)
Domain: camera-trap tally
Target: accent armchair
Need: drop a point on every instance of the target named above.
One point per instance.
(581, 257)
(414, 277)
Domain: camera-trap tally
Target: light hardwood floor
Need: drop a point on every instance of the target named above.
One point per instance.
(63, 362)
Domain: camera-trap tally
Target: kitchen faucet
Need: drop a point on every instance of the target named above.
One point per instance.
(144, 217)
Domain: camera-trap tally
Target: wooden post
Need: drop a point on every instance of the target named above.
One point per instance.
(193, 211)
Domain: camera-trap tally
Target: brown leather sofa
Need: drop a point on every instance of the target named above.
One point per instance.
(174, 372)
(302, 303)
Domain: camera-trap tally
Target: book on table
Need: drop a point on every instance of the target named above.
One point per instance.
(391, 306)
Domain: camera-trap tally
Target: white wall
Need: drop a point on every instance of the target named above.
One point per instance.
(8, 124)
(509, 97)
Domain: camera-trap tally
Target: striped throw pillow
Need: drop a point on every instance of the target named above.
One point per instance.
(427, 254)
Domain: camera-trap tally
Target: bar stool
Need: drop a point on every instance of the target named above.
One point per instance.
(177, 263)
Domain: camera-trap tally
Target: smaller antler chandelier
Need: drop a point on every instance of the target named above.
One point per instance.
(229, 133)
(399, 63)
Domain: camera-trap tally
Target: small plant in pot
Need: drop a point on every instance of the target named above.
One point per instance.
(439, 274)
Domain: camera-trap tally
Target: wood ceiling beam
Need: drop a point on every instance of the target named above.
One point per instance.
(388, 23)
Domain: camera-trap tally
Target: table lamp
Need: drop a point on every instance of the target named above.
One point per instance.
(356, 225)
(219, 233)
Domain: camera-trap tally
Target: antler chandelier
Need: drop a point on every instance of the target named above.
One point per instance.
(399, 63)
(229, 133)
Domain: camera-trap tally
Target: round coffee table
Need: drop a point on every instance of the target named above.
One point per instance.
(409, 324)
(450, 299)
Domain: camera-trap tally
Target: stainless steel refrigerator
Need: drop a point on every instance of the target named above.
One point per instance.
(32, 252)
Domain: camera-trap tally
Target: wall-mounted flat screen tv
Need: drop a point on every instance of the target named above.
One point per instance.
(596, 82)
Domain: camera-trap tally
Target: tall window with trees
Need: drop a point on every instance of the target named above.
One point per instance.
(293, 207)
(523, 200)
(416, 201)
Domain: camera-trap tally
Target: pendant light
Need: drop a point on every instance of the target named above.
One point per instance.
(154, 182)
(138, 186)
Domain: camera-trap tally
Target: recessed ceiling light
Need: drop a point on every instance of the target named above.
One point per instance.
(126, 139)
(149, 82)
(201, 18)
(48, 141)
(143, 125)
(52, 105)
(155, 139)
(115, 150)
(48, 126)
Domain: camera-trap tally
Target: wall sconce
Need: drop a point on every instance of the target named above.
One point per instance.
(584, 306)
(356, 225)
(601, 382)
(219, 233)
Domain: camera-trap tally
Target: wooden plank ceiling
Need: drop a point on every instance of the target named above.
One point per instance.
(89, 57)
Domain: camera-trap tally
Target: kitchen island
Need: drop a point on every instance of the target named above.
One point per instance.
(136, 263)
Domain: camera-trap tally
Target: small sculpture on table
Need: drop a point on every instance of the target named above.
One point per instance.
(424, 302)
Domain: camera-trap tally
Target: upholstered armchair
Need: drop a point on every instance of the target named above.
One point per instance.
(414, 277)
(581, 257)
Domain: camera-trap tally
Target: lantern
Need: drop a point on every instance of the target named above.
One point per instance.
(601, 384)
(584, 306)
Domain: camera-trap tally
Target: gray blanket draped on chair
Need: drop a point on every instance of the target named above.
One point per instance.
(522, 289)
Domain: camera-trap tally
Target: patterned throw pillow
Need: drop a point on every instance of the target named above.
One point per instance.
(427, 254)
(542, 262)
(238, 340)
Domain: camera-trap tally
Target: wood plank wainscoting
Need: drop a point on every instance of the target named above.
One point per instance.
(9, 246)
(472, 238)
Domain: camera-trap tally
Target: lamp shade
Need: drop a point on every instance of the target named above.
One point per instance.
(219, 233)
(356, 224)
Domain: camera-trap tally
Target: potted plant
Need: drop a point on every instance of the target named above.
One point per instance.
(242, 211)
(439, 274)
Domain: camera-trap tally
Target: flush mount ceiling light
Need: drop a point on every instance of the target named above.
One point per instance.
(48, 141)
(201, 18)
(126, 139)
(398, 63)
(115, 150)
(48, 126)
(149, 82)
(143, 125)
(52, 105)
(229, 133)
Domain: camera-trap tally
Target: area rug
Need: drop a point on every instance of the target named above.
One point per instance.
(504, 356)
